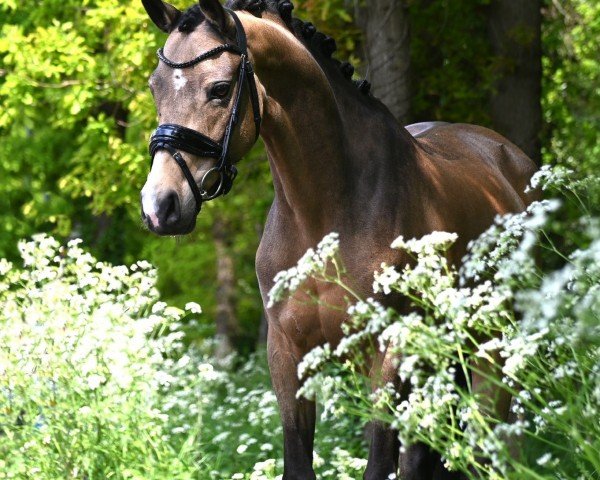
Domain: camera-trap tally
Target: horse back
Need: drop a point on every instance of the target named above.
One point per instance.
(476, 151)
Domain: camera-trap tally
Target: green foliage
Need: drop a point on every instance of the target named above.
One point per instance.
(75, 118)
(96, 383)
(73, 76)
(571, 84)
(451, 61)
(334, 18)
(82, 364)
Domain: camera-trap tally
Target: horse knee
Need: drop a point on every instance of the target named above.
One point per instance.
(417, 462)
(383, 452)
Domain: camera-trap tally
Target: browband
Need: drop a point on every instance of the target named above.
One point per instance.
(211, 53)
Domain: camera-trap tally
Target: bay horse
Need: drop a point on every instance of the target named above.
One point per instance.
(339, 161)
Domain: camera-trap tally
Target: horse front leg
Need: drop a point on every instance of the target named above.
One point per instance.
(383, 452)
(385, 446)
(418, 461)
(494, 400)
(297, 414)
(486, 376)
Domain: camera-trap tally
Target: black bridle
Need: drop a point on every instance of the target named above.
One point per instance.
(173, 138)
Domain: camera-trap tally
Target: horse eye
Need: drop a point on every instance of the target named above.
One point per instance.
(219, 90)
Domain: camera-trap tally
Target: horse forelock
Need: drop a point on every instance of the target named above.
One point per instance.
(190, 19)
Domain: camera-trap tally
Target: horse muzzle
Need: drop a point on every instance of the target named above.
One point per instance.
(162, 214)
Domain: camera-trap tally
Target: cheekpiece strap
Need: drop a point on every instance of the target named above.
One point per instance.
(242, 43)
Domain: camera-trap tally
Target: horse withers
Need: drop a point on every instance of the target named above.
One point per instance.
(339, 161)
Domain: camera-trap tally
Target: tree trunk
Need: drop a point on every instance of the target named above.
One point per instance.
(386, 32)
(227, 327)
(515, 35)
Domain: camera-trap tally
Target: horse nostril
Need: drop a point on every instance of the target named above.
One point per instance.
(172, 213)
(169, 212)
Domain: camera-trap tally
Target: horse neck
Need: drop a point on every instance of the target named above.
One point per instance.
(321, 142)
(374, 133)
(301, 125)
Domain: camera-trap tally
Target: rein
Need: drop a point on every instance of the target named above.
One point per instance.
(172, 137)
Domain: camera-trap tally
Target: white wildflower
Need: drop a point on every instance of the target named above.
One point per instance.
(159, 307)
(386, 279)
(433, 242)
(94, 381)
(311, 263)
(544, 459)
(207, 372)
(193, 307)
(184, 361)
(313, 360)
(549, 176)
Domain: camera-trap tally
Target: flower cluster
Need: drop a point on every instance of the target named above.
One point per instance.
(81, 361)
(97, 382)
(91, 361)
(505, 250)
(550, 177)
(532, 334)
(312, 263)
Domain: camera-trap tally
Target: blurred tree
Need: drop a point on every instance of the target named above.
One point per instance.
(387, 50)
(450, 61)
(227, 328)
(515, 36)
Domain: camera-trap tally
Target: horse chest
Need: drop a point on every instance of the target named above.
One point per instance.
(311, 316)
(315, 313)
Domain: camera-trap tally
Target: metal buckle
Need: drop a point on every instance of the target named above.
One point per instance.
(204, 193)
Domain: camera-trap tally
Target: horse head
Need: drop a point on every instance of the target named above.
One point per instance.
(209, 109)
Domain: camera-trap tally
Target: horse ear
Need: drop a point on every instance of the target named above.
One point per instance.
(216, 15)
(164, 15)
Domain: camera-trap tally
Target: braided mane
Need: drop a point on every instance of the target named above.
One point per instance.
(321, 46)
